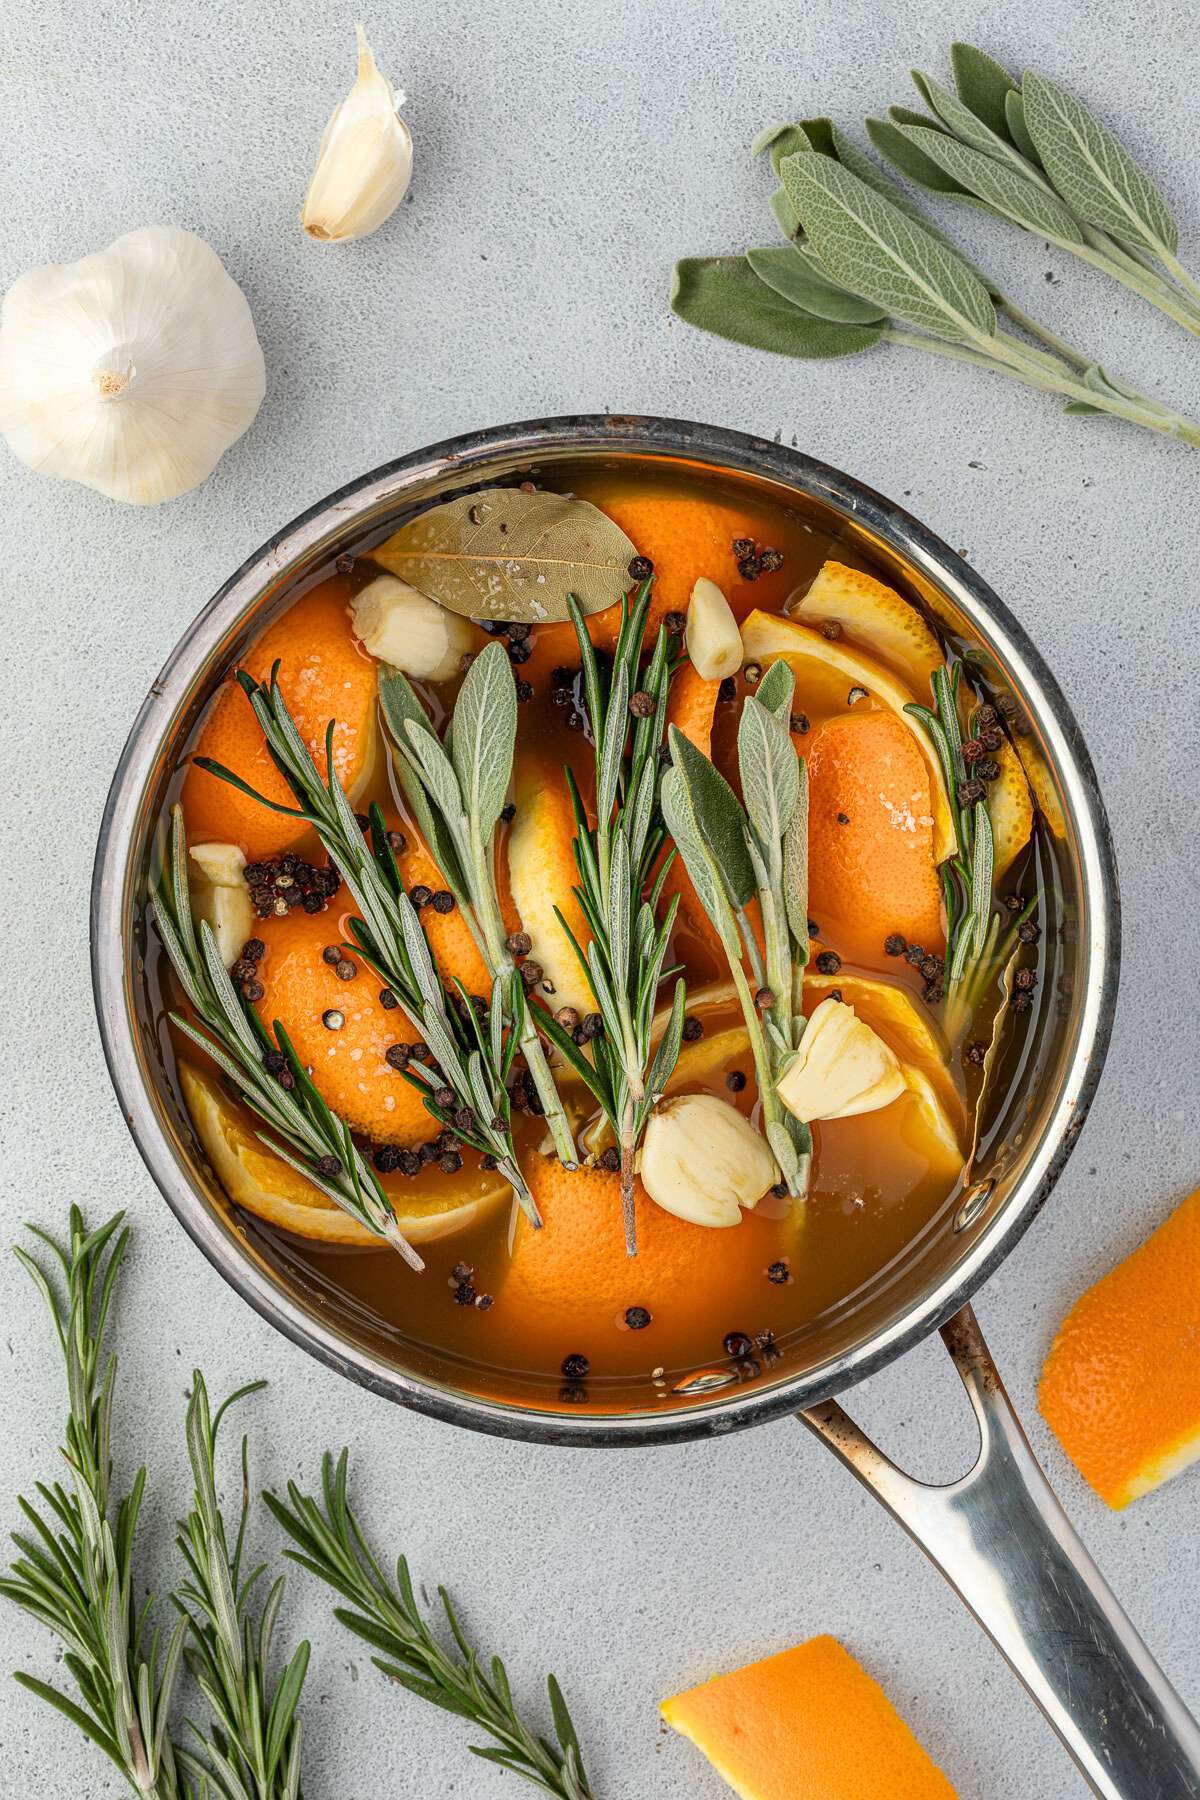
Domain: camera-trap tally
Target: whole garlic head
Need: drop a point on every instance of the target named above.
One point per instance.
(703, 1161)
(132, 370)
(364, 162)
(842, 1068)
(404, 627)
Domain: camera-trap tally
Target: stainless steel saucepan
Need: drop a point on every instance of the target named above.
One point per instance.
(998, 1534)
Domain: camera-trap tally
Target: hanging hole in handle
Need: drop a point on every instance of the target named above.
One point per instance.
(973, 1203)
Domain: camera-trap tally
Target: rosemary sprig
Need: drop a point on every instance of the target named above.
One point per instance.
(624, 960)
(457, 791)
(974, 945)
(265, 1070)
(74, 1569)
(473, 1060)
(734, 853)
(252, 1750)
(330, 1544)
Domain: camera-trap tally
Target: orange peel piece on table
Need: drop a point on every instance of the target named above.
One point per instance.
(323, 675)
(1121, 1385)
(807, 1724)
(887, 625)
(431, 1206)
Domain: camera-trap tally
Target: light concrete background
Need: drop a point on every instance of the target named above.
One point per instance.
(565, 154)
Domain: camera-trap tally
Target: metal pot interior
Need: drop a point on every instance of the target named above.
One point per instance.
(1046, 1088)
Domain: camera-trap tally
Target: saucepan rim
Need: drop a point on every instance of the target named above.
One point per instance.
(462, 458)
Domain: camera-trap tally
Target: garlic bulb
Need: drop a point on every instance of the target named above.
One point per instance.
(220, 895)
(364, 163)
(404, 627)
(842, 1068)
(714, 643)
(703, 1161)
(132, 370)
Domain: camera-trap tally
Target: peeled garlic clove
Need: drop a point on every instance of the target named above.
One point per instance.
(714, 642)
(407, 629)
(703, 1161)
(842, 1068)
(364, 163)
(132, 370)
(220, 895)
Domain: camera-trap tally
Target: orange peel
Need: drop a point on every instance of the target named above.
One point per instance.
(889, 627)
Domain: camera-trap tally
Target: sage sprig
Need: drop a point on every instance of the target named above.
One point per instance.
(618, 893)
(736, 852)
(471, 1056)
(329, 1542)
(262, 1065)
(251, 1749)
(1035, 155)
(74, 1569)
(855, 233)
(457, 791)
(976, 943)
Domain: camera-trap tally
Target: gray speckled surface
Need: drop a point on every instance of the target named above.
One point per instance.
(564, 154)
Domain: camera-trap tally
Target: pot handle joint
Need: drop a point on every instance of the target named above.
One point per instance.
(1004, 1543)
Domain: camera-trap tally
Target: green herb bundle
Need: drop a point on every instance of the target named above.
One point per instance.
(472, 1058)
(329, 1542)
(456, 791)
(736, 851)
(863, 266)
(264, 1069)
(618, 893)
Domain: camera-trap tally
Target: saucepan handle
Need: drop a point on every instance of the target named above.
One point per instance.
(1004, 1543)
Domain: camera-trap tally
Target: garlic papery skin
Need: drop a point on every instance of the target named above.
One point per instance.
(404, 627)
(714, 643)
(364, 163)
(842, 1068)
(220, 895)
(132, 370)
(703, 1161)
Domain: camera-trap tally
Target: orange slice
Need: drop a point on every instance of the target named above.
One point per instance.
(876, 617)
(541, 876)
(871, 848)
(1010, 809)
(691, 705)
(348, 1063)
(808, 1724)
(454, 949)
(323, 675)
(431, 1205)
(903, 1024)
(830, 670)
(1121, 1385)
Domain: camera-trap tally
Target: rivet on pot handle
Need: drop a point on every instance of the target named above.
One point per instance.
(1004, 1543)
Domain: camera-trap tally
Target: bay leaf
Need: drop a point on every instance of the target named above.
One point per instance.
(504, 553)
(1092, 169)
(982, 84)
(723, 295)
(882, 253)
(1001, 188)
(799, 279)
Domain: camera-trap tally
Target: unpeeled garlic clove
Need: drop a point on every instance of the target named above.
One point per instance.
(714, 643)
(220, 895)
(403, 627)
(842, 1068)
(364, 163)
(703, 1161)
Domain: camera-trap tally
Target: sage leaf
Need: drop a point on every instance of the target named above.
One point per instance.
(786, 216)
(484, 737)
(401, 708)
(795, 867)
(1000, 187)
(503, 553)
(890, 139)
(1091, 168)
(723, 295)
(776, 688)
(785, 1153)
(781, 140)
(769, 770)
(718, 814)
(680, 820)
(880, 252)
(794, 275)
(1018, 131)
(962, 121)
(983, 85)
(441, 782)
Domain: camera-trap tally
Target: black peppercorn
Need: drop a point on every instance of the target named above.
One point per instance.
(420, 895)
(253, 990)
(738, 1344)
(641, 568)
(831, 630)
(386, 1159)
(799, 723)
(610, 1159)
(593, 1026)
(329, 1167)
(779, 1273)
(976, 1053)
(332, 954)
(398, 1055)
(409, 1163)
(451, 1162)
(524, 692)
(764, 999)
(970, 791)
(575, 1366)
(508, 813)
(637, 1318)
(895, 944)
(735, 1081)
(443, 901)
(728, 689)
(519, 943)
(829, 962)
(641, 704)
(388, 1000)
(675, 622)
(1028, 932)
(1024, 980)
(444, 1097)
(693, 1028)
(520, 653)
